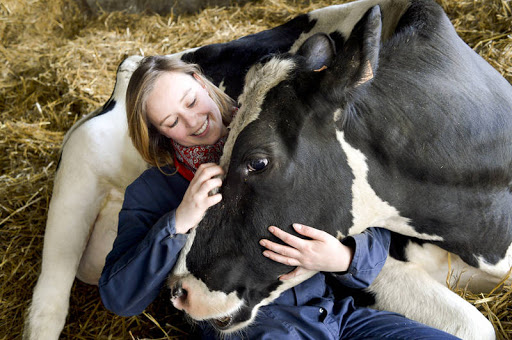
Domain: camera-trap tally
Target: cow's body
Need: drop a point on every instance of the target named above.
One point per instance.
(411, 132)
(383, 178)
(98, 161)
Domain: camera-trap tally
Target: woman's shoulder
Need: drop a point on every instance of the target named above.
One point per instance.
(154, 178)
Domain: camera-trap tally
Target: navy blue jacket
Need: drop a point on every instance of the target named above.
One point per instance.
(147, 247)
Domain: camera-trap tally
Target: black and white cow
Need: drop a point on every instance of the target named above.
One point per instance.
(411, 131)
(410, 134)
(98, 161)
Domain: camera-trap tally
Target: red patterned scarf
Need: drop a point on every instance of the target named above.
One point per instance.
(188, 158)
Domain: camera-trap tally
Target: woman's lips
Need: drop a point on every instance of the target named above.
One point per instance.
(202, 130)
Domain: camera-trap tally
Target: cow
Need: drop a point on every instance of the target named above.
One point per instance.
(98, 160)
(406, 128)
(401, 127)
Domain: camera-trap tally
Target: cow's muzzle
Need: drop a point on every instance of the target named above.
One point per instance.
(191, 295)
(179, 296)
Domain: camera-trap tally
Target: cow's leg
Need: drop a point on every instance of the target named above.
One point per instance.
(101, 240)
(70, 218)
(500, 269)
(406, 288)
(440, 264)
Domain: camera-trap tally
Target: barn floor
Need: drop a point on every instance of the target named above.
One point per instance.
(58, 64)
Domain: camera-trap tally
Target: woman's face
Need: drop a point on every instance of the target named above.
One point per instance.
(181, 108)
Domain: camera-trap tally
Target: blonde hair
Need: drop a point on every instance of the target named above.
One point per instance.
(155, 148)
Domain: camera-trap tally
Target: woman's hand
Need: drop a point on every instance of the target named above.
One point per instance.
(322, 253)
(196, 199)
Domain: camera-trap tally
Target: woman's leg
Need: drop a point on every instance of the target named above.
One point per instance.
(367, 323)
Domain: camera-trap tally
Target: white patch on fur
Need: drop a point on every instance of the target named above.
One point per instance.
(337, 115)
(221, 86)
(339, 235)
(201, 303)
(259, 80)
(499, 269)
(97, 156)
(180, 268)
(124, 73)
(449, 268)
(274, 295)
(342, 18)
(406, 288)
(368, 209)
(102, 238)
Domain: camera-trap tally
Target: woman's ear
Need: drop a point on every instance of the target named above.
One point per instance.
(199, 80)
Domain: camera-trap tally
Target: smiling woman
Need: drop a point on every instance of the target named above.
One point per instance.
(171, 104)
(180, 108)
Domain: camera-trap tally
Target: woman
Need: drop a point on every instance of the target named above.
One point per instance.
(177, 121)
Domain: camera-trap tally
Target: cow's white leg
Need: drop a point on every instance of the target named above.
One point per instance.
(70, 218)
(406, 288)
(440, 264)
(101, 240)
(500, 269)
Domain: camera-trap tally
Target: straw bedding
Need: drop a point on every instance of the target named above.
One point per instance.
(58, 64)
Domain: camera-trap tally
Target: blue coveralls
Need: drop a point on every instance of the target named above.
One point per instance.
(147, 247)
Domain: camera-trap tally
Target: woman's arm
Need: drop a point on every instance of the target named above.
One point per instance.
(371, 249)
(146, 247)
(158, 211)
(355, 261)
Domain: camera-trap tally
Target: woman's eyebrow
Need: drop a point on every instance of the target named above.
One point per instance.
(185, 94)
(181, 100)
(163, 120)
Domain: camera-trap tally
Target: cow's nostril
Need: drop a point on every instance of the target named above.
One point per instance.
(178, 292)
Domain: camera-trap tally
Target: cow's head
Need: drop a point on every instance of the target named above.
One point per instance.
(284, 164)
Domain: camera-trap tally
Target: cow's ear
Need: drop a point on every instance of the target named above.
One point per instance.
(364, 41)
(319, 52)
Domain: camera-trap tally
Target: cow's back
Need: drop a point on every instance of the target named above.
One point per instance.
(440, 121)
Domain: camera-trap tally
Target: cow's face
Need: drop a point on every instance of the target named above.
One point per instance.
(279, 158)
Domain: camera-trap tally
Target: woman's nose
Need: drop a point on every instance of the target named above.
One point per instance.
(191, 119)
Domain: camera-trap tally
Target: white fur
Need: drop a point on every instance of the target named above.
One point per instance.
(201, 302)
(449, 268)
(416, 289)
(180, 268)
(342, 18)
(499, 269)
(273, 295)
(255, 90)
(97, 157)
(101, 240)
(406, 288)
(368, 209)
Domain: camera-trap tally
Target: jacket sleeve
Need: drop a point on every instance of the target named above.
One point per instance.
(145, 250)
(371, 249)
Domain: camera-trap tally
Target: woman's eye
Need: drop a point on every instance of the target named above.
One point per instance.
(192, 103)
(174, 124)
(257, 164)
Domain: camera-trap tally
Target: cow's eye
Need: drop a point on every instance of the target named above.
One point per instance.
(257, 164)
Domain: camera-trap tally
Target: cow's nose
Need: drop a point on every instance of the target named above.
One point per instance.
(177, 291)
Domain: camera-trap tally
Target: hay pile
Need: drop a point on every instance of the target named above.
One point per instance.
(58, 65)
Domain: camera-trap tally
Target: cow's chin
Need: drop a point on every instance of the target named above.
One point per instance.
(233, 322)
